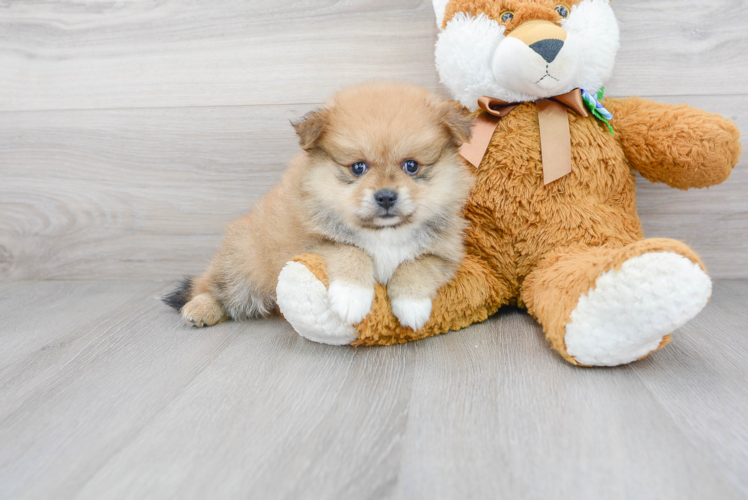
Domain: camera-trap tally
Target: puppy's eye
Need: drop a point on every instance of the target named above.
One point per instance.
(359, 168)
(563, 11)
(411, 167)
(507, 16)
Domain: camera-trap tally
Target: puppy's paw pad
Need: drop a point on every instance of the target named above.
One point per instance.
(412, 313)
(203, 311)
(350, 302)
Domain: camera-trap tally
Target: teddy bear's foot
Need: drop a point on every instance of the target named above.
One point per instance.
(631, 310)
(303, 300)
(612, 305)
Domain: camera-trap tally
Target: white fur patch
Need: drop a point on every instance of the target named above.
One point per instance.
(594, 26)
(473, 60)
(520, 69)
(629, 312)
(303, 300)
(350, 302)
(389, 248)
(412, 313)
(440, 6)
(464, 52)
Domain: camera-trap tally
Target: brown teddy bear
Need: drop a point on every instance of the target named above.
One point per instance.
(553, 220)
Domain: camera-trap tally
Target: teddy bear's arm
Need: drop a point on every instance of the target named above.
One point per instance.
(681, 146)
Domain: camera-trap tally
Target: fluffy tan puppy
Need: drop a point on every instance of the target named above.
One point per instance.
(378, 191)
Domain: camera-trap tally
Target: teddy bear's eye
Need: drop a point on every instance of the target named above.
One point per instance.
(563, 11)
(507, 16)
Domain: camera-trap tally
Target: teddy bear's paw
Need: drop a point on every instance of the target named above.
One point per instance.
(303, 301)
(412, 313)
(630, 311)
(350, 302)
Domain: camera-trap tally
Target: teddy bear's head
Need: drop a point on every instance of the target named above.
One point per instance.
(524, 50)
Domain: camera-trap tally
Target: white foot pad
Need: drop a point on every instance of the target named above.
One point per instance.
(631, 310)
(304, 302)
(412, 313)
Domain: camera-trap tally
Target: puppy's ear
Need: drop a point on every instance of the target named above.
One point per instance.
(311, 127)
(458, 122)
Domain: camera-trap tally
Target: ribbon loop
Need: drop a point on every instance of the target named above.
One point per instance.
(496, 107)
(555, 135)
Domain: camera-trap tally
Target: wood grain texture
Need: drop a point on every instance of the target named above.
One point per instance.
(707, 374)
(113, 54)
(126, 402)
(88, 395)
(146, 193)
(131, 193)
(131, 132)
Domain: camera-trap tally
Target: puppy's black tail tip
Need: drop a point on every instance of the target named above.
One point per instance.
(181, 295)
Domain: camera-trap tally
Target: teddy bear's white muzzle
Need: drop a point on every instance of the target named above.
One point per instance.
(542, 69)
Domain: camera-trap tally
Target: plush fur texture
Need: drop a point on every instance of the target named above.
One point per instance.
(478, 55)
(549, 248)
(379, 224)
(629, 311)
(311, 315)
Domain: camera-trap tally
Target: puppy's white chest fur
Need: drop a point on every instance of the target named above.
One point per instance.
(389, 248)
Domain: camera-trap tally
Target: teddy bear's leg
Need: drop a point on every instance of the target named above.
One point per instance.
(608, 305)
(303, 301)
(474, 294)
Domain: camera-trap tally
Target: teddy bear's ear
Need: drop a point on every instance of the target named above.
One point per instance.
(458, 122)
(440, 6)
(310, 128)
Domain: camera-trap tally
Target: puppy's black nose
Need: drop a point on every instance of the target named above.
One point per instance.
(386, 198)
(548, 49)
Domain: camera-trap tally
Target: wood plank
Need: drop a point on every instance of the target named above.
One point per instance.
(93, 55)
(39, 317)
(702, 381)
(278, 417)
(83, 55)
(145, 407)
(96, 194)
(68, 406)
(146, 193)
(512, 417)
(680, 47)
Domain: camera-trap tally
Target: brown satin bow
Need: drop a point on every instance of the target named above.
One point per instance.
(555, 135)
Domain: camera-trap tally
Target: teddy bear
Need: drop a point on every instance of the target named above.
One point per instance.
(553, 224)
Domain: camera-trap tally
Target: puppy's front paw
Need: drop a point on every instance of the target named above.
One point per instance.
(412, 313)
(350, 302)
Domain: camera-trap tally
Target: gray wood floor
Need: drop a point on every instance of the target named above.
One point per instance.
(131, 132)
(104, 393)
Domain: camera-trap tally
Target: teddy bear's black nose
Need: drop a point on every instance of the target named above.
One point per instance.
(548, 49)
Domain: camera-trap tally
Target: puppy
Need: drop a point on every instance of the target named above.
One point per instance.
(378, 192)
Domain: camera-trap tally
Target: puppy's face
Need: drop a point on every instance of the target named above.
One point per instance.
(385, 156)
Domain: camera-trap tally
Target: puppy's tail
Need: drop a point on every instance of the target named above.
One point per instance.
(181, 295)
